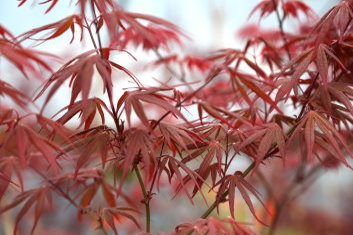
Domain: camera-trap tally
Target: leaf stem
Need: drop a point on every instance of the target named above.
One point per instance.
(146, 199)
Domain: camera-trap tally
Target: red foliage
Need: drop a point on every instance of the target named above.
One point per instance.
(284, 96)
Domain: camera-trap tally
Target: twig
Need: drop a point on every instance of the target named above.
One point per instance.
(110, 95)
(280, 24)
(146, 199)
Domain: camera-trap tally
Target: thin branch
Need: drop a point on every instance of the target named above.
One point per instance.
(146, 199)
(280, 25)
(288, 197)
(90, 33)
(96, 26)
(110, 94)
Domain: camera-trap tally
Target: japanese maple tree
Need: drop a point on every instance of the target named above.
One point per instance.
(284, 96)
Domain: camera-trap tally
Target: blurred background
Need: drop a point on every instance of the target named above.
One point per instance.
(323, 208)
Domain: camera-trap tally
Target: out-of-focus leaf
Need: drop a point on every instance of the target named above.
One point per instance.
(56, 29)
(213, 226)
(40, 198)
